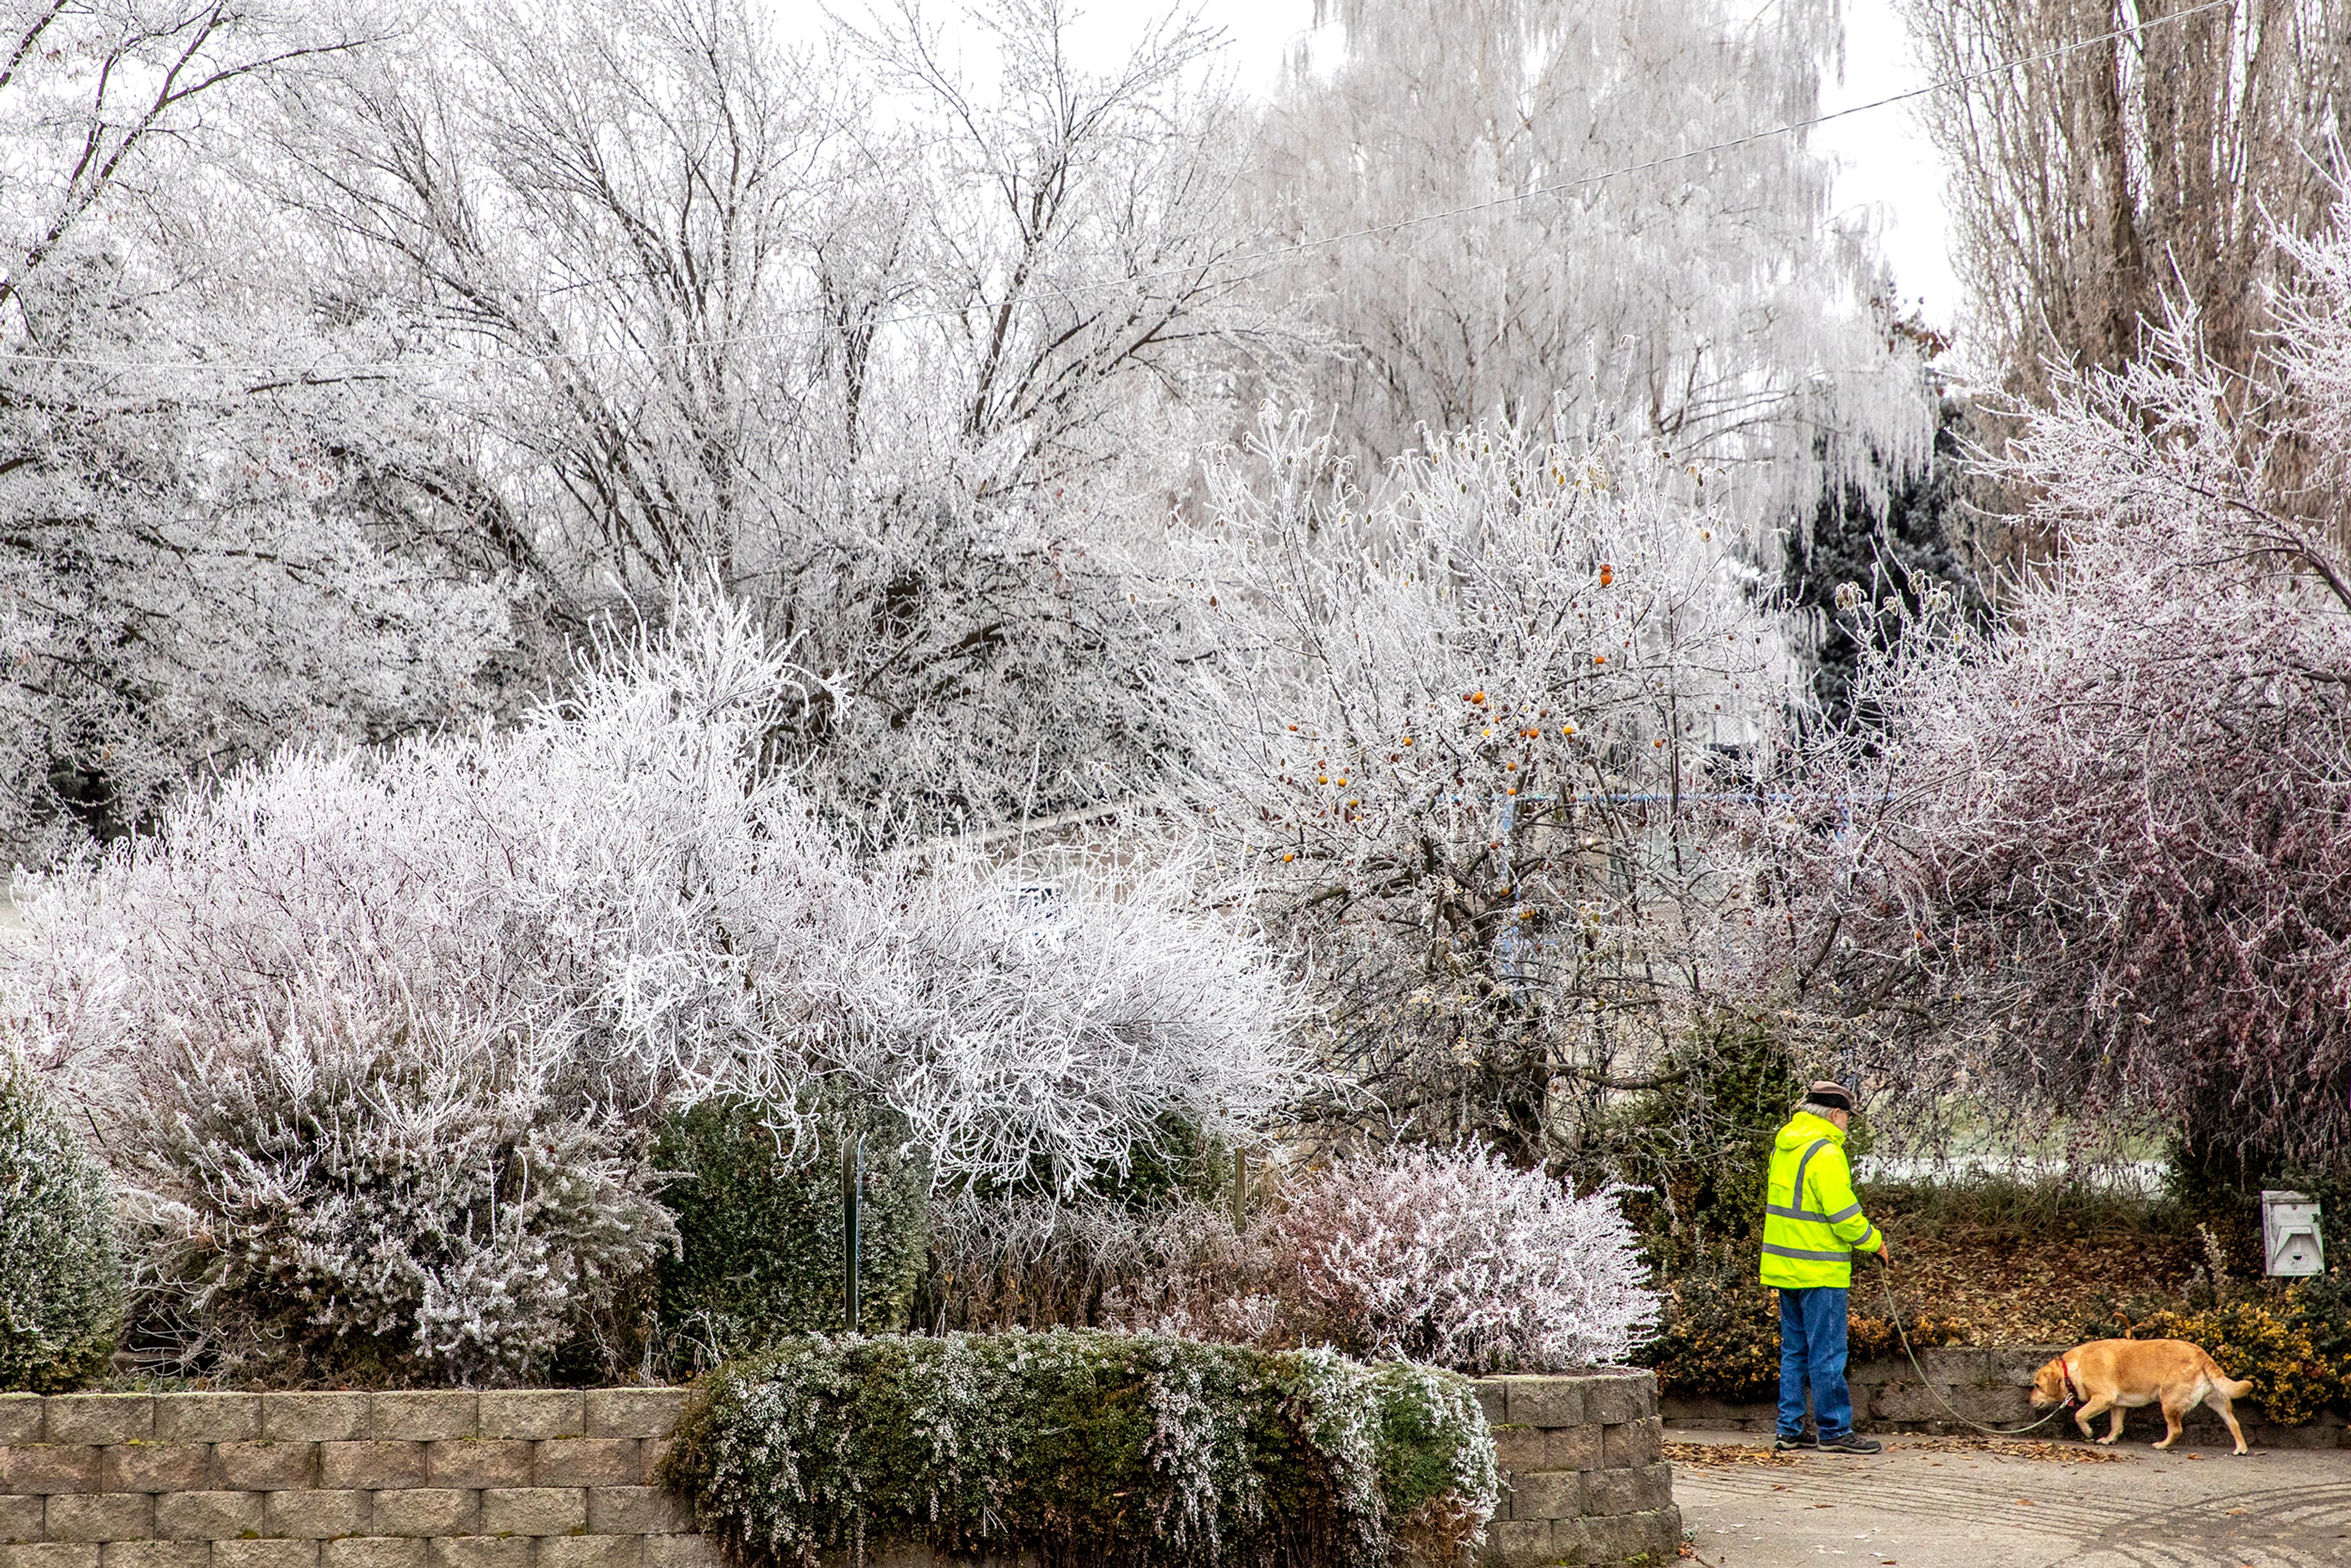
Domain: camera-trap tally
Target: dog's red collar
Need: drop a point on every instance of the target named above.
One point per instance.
(2073, 1394)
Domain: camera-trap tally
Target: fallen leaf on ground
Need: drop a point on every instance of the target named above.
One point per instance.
(1711, 1456)
(2049, 1450)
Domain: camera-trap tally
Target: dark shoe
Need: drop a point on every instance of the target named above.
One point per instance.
(1806, 1439)
(1852, 1443)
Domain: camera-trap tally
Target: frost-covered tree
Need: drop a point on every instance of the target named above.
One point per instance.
(899, 340)
(1707, 301)
(2096, 865)
(1470, 740)
(202, 552)
(1914, 540)
(2105, 158)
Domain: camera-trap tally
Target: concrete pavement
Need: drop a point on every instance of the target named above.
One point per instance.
(1927, 1503)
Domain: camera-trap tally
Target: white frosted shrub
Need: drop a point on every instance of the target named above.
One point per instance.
(452, 953)
(1454, 1258)
(1032, 1261)
(1449, 1257)
(331, 1191)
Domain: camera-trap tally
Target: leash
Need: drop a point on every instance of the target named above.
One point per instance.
(1886, 1287)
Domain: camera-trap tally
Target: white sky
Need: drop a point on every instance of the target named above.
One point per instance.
(1886, 170)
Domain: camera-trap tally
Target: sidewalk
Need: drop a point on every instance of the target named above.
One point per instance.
(1926, 1502)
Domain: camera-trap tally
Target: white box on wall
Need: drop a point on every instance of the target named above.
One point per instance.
(2290, 1241)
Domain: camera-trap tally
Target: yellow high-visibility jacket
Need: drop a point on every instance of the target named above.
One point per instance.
(1812, 1221)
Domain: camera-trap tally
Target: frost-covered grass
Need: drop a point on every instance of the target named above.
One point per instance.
(1102, 1449)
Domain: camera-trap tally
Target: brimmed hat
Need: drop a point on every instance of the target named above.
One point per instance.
(1827, 1091)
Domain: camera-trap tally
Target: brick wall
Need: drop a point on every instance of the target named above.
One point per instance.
(1991, 1387)
(1582, 1480)
(525, 1480)
(566, 1479)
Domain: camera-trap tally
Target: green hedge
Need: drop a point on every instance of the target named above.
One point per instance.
(1110, 1449)
(61, 1296)
(759, 1255)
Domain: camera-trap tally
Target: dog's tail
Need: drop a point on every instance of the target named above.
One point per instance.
(2234, 1388)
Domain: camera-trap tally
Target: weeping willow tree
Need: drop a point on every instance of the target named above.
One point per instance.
(1706, 298)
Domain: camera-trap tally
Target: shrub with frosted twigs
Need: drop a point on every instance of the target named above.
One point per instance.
(1453, 1257)
(341, 1010)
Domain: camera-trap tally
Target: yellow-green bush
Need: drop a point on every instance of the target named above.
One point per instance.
(2288, 1344)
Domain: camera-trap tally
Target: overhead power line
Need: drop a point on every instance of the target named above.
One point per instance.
(1251, 264)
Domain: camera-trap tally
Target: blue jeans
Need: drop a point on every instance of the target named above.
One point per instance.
(1812, 1350)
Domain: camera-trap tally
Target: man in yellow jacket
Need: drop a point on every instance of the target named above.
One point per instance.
(1812, 1223)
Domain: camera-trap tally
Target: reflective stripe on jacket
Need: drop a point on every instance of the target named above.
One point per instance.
(1812, 1221)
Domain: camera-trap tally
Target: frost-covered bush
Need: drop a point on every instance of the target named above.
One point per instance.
(625, 890)
(503, 957)
(1451, 1258)
(1455, 1259)
(335, 1192)
(1087, 1448)
(60, 1271)
(1180, 1266)
(760, 1231)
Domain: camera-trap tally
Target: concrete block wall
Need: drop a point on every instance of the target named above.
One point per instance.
(439, 1480)
(538, 1479)
(1583, 1482)
(1993, 1386)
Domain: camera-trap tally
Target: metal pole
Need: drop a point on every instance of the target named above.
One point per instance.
(853, 1196)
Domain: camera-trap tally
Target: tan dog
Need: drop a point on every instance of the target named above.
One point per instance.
(2119, 1375)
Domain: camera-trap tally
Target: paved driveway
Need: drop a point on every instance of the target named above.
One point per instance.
(1928, 1504)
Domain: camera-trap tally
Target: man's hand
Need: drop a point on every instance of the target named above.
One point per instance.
(1885, 1250)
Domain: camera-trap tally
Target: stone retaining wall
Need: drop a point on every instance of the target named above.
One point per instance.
(523, 1479)
(567, 1480)
(1993, 1386)
(1583, 1482)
